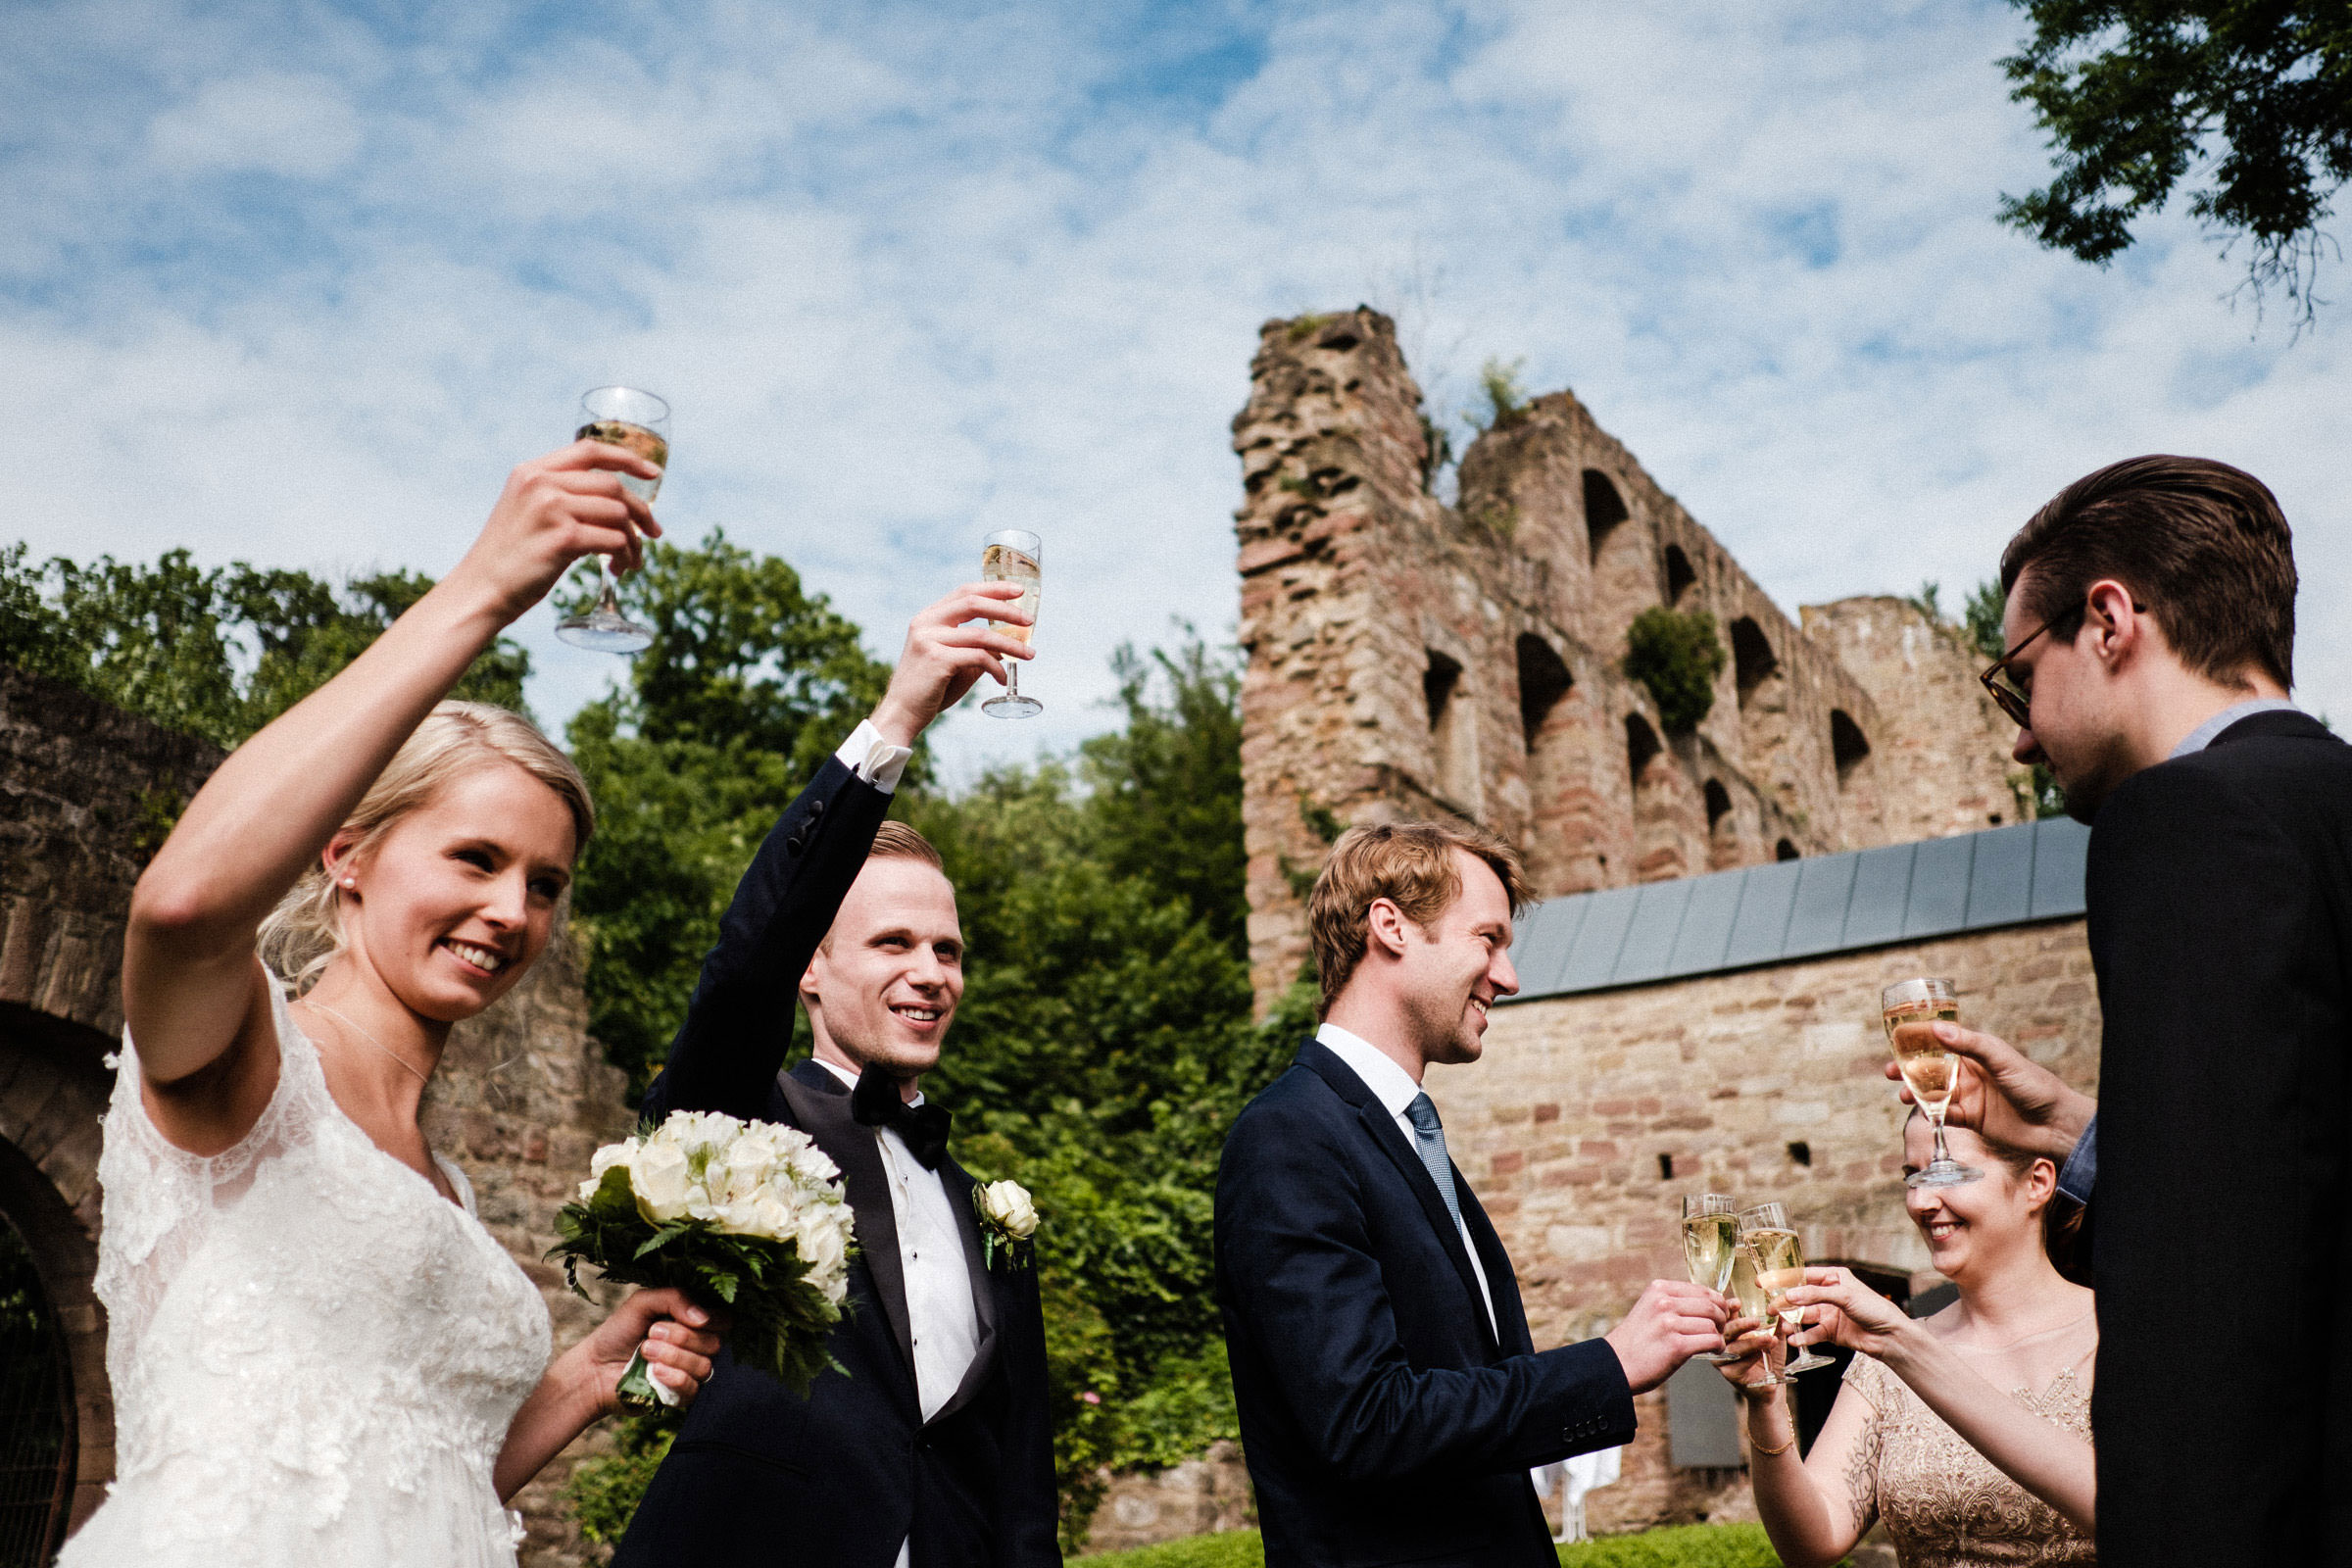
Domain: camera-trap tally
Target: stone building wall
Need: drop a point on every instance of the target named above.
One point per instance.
(86, 791)
(1590, 1116)
(1409, 658)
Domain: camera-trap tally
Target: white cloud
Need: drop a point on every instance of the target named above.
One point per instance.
(908, 278)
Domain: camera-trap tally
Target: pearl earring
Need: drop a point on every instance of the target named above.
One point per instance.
(351, 881)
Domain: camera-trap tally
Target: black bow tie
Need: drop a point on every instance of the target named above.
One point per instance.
(876, 1102)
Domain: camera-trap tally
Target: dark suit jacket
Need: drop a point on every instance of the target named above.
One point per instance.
(757, 1474)
(2220, 889)
(1383, 1419)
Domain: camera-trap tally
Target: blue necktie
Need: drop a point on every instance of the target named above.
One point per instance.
(1428, 1136)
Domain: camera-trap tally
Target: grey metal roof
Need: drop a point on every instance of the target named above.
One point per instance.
(1802, 908)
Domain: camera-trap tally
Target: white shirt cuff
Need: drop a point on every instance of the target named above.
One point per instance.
(872, 759)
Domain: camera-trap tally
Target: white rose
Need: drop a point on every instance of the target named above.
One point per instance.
(1008, 1205)
(812, 1167)
(771, 1216)
(612, 1155)
(822, 1247)
(661, 1181)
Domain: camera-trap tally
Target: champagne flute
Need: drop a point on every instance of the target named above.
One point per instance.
(1755, 1304)
(1911, 1009)
(621, 417)
(1710, 1242)
(1012, 555)
(1772, 1242)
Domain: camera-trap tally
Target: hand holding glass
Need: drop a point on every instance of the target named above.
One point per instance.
(1013, 555)
(1771, 1241)
(1710, 1243)
(1911, 1009)
(621, 417)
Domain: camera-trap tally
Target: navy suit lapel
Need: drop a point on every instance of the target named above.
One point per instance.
(820, 1103)
(1510, 1314)
(1383, 1130)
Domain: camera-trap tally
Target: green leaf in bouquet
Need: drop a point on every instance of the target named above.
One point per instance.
(664, 1236)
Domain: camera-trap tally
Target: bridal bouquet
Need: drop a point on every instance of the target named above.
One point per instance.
(749, 1215)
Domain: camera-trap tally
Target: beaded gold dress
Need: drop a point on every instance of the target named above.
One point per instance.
(1946, 1504)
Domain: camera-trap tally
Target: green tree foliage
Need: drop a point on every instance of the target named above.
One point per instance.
(1678, 656)
(1982, 621)
(215, 653)
(1507, 399)
(750, 684)
(2136, 94)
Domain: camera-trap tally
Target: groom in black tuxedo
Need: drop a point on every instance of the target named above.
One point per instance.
(1392, 1400)
(935, 1451)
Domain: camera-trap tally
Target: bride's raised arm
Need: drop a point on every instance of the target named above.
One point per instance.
(192, 991)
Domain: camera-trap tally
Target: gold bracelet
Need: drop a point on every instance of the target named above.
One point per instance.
(1754, 1447)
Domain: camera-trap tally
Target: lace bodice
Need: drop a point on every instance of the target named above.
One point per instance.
(1944, 1504)
(315, 1355)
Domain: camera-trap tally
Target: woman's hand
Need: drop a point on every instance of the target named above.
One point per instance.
(553, 510)
(1851, 1315)
(1753, 1341)
(679, 1341)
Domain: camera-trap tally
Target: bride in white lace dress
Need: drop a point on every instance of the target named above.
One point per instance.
(319, 1354)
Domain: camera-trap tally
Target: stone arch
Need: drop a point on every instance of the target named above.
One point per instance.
(1454, 775)
(1783, 851)
(1680, 573)
(1625, 564)
(1753, 662)
(1641, 747)
(1723, 827)
(55, 1087)
(1849, 748)
(1719, 803)
(1544, 679)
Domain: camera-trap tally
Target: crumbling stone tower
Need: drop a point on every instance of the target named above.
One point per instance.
(1411, 659)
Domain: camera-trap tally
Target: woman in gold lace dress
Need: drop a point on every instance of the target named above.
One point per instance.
(1968, 1432)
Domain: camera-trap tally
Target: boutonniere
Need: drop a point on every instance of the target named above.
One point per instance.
(1007, 1223)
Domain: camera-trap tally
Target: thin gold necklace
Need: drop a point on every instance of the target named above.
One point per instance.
(365, 1035)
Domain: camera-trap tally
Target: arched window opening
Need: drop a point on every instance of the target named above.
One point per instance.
(37, 1462)
(1604, 509)
(1438, 683)
(1641, 745)
(1847, 744)
(1754, 661)
(1544, 679)
(1719, 803)
(1679, 573)
(1783, 851)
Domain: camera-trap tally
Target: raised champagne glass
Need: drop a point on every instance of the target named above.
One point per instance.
(1911, 1009)
(1013, 555)
(1710, 1243)
(1753, 1303)
(621, 417)
(1779, 1255)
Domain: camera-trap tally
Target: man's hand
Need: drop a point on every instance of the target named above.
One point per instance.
(2005, 1094)
(948, 647)
(1672, 1322)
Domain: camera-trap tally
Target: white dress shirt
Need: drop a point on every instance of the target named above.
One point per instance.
(942, 1319)
(874, 760)
(1395, 1089)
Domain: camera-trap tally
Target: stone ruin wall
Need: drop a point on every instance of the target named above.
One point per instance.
(1408, 659)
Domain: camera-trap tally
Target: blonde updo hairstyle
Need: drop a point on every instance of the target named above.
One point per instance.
(305, 932)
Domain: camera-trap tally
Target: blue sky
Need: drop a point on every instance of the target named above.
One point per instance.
(297, 283)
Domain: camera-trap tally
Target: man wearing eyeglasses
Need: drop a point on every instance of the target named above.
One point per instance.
(2150, 624)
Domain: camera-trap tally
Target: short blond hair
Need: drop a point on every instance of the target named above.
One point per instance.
(895, 841)
(1408, 864)
(302, 934)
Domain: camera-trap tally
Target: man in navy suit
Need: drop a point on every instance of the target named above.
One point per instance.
(2150, 633)
(933, 1446)
(1392, 1402)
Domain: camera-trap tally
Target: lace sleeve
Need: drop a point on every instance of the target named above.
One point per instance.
(1867, 1381)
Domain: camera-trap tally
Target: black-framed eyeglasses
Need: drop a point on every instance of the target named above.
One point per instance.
(2013, 699)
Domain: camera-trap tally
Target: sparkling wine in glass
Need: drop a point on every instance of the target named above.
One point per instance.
(1772, 1243)
(1911, 1009)
(1755, 1304)
(1710, 1240)
(1012, 555)
(621, 417)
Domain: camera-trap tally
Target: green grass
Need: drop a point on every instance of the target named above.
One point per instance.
(1674, 1546)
